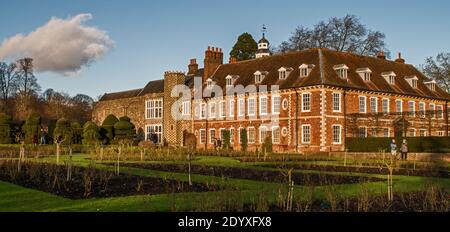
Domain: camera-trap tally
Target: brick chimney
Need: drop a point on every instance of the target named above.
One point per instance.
(400, 59)
(381, 55)
(213, 58)
(192, 67)
(233, 60)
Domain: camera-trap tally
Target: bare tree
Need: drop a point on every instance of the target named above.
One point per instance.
(28, 87)
(8, 80)
(439, 69)
(341, 34)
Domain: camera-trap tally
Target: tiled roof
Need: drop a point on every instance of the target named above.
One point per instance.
(120, 95)
(153, 87)
(156, 86)
(323, 73)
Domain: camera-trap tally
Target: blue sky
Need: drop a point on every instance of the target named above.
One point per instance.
(154, 36)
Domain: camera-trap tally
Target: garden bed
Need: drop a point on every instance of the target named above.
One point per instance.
(362, 169)
(254, 174)
(90, 182)
(424, 201)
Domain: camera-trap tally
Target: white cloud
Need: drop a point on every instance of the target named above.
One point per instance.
(62, 45)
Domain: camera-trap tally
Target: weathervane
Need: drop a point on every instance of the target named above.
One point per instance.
(264, 30)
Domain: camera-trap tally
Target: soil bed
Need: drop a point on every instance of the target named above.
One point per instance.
(362, 169)
(403, 202)
(90, 182)
(254, 174)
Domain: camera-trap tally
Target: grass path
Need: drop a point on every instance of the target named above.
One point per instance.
(15, 198)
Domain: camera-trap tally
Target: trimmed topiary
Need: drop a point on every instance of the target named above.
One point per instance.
(91, 133)
(63, 132)
(5, 129)
(226, 139)
(32, 128)
(108, 127)
(244, 140)
(124, 129)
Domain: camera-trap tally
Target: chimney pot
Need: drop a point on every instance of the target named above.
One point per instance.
(400, 59)
(381, 55)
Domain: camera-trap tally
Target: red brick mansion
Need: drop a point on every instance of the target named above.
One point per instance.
(306, 101)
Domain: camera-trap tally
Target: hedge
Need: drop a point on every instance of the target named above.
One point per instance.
(91, 133)
(415, 144)
(32, 128)
(107, 129)
(63, 131)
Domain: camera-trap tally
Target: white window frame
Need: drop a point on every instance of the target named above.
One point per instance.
(154, 108)
(241, 107)
(333, 135)
(261, 112)
(203, 110)
(200, 136)
(232, 131)
(275, 128)
(222, 109)
(365, 104)
(186, 108)
(387, 106)
(414, 132)
(261, 130)
(440, 111)
(388, 130)
(338, 105)
(211, 114)
(401, 106)
(274, 111)
(422, 109)
(433, 110)
(211, 138)
(231, 108)
(251, 106)
(308, 103)
(250, 140)
(309, 134)
(158, 132)
(412, 112)
(376, 105)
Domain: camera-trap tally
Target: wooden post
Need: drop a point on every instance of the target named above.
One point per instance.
(189, 168)
(57, 152)
(345, 157)
(69, 166)
(118, 160)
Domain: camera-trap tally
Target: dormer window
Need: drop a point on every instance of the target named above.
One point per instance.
(342, 70)
(305, 69)
(283, 73)
(364, 73)
(209, 83)
(259, 76)
(431, 85)
(389, 77)
(412, 81)
(230, 79)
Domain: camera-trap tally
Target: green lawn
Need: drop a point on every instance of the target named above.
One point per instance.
(16, 198)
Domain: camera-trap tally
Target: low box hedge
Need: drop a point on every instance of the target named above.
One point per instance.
(415, 144)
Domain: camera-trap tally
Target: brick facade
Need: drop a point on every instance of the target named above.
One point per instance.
(318, 108)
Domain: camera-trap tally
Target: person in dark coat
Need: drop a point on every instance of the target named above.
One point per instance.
(404, 150)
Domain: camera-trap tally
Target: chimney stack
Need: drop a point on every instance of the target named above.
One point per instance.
(213, 59)
(400, 59)
(381, 55)
(233, 60)
(192, 67)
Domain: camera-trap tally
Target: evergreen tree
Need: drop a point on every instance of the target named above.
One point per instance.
(244, 140)
(245, 47)
(5, 129)
(91, 133)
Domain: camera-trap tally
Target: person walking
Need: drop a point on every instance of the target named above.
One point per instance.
(404, 150)
(393, 148)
